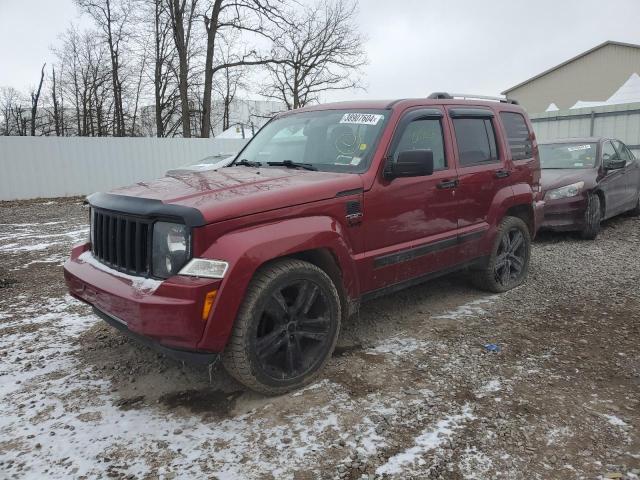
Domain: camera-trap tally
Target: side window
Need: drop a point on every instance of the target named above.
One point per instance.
(608, 152)
(476, 140)
(518, 135)
(623, 151)
(424, 134)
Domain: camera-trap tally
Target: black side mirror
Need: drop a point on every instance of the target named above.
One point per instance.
(615, 164)
(410, 163)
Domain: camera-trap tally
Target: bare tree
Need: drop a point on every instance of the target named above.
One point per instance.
(11, 101)
(112, 17)
(58, 105)
(164, 76)
(252, 16)
(322, 51)
(35, 96)
(228, 80)
(183, 14)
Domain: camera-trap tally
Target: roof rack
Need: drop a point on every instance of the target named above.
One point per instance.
(451, 96)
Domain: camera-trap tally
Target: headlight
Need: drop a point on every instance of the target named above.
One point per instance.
(201, 267)
(170, 248)
(564, 192)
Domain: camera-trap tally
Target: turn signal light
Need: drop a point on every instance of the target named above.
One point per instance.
(208, 303)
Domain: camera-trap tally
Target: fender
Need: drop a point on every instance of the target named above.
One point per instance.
(510, 196)
(247, 249)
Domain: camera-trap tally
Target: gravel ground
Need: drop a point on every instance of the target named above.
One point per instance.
(410, 393)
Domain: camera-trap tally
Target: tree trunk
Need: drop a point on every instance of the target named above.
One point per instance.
(212, 31)
(56, 109)
(177, 20)
(35, 96)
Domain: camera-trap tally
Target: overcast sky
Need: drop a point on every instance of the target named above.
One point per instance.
(414, 46)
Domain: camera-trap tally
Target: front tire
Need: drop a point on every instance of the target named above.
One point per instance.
(635, 211)
(286, 329)
(592, 218)
(508, 264)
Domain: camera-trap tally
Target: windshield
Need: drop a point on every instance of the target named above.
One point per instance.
(329, 140)
(568, 155)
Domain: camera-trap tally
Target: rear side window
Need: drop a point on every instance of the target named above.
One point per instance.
(424, 134)
(518, 135)
(476, 140)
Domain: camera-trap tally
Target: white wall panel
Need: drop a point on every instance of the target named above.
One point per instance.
(32, 167)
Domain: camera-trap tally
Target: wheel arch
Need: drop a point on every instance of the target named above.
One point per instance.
(525, 213)
(318, 240)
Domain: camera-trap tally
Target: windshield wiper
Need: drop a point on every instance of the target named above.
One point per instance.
(247, 163)
(292, 164)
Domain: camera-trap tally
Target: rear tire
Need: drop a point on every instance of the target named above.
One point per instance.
(286, 329)
(592, 218)
(508, 264)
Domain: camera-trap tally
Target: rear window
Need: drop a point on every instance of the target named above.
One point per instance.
(476, 140)
(518, 135)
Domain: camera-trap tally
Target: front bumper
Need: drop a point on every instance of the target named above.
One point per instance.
(167, 313)
(565, 214)
(201, 358)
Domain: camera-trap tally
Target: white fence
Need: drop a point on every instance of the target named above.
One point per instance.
(614, 121)
(33, 167)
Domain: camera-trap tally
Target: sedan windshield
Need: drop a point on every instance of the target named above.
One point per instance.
(328, 140)
(568, 155)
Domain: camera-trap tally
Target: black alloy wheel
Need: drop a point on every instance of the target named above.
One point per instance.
(294, 330)
(507, 265)
(286, 329)
(511, 257)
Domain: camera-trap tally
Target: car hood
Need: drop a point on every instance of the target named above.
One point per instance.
(556, 178)
(236, 191)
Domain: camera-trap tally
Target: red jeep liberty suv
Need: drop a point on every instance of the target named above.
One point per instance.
(327, 206)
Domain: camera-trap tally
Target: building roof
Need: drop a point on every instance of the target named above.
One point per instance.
(583, 54)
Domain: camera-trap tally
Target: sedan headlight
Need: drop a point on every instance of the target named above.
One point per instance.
(202, 267)
(170, 248)
(564, 192)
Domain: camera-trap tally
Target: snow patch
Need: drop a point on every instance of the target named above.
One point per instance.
(616, 421)
(429, 439)
(491, 386)
(399, 346)
(140, 284)
(471, 309)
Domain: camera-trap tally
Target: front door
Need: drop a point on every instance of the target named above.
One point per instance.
(410, 223)
(482, 173)
(614, 183)
(631, 175)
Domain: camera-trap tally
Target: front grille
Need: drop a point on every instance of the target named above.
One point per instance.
(122, 242)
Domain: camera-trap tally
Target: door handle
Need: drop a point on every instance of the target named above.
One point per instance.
(502, 173)
(448, 184)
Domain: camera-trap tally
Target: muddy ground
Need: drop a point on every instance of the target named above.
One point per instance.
(411, 392)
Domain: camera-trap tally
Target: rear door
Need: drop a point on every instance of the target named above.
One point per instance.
(482, 172)
(410, 223)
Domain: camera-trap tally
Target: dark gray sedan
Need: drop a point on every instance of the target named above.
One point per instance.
(587, 180)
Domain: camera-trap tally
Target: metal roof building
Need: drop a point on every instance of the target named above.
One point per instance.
(591, 76)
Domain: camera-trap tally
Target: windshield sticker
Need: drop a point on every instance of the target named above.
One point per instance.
(355, 161)
(363, 147)
(361, 118)
(579, 147)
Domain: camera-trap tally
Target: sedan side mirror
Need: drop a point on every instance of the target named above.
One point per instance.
(410, 163)
(615, 164)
